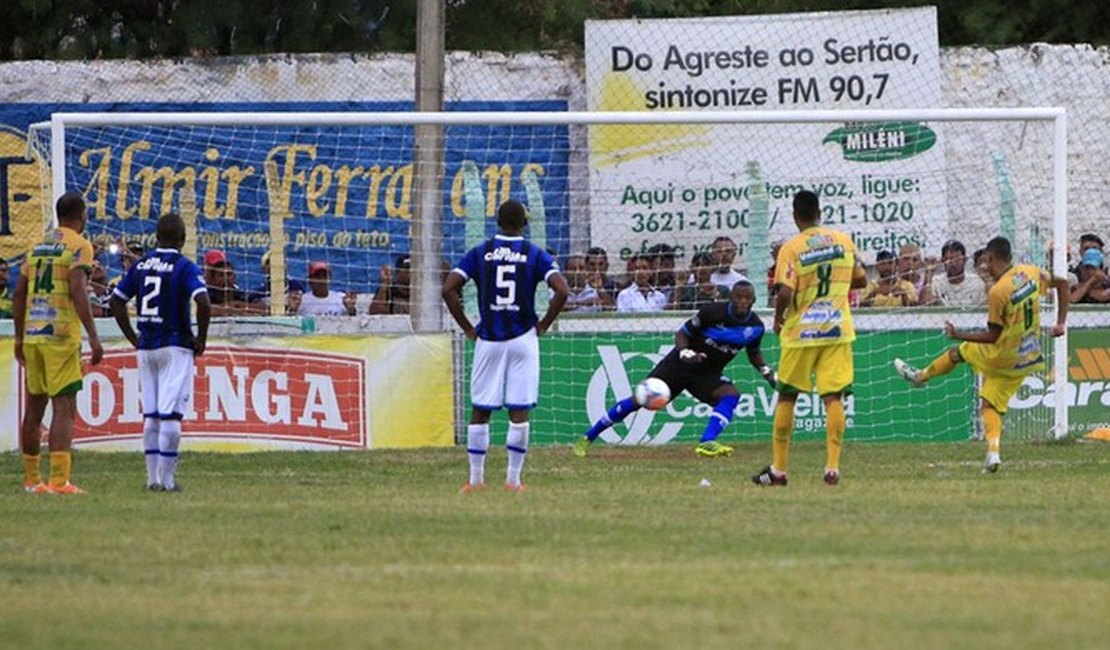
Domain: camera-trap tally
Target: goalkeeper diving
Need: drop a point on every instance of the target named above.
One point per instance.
(704, 345)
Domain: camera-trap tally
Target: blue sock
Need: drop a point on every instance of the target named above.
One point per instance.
(619, 412)
(720, 417)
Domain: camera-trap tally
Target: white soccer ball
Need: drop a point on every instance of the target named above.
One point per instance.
(653, 393)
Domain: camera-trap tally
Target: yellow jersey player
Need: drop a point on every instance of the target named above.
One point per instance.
(814, 272)
(1009, 349)
(50, 306)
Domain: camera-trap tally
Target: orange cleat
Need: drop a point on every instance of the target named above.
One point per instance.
(35, 488)
(470, 487)
(68, 488)
(515, 488)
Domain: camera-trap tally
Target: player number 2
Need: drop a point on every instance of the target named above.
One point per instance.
(148, 306)
(506, 281)
(824, 279)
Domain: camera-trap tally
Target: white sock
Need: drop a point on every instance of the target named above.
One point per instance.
(517, 445)
(151, 427)
(168, 440)
(477, 443)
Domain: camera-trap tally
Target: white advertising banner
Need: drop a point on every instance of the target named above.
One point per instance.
(685, 185)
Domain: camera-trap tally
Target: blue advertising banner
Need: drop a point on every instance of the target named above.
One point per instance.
(344, 193)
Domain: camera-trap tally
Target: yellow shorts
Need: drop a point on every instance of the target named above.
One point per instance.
(832, 364)
(998, 386)
(52, 369)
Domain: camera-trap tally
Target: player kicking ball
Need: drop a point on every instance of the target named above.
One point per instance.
(1009, 349)
(165, 282)
(704, 345)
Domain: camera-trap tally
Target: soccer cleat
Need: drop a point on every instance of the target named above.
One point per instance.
(767, 478)
(520, 487)
(467, 488)
(582, 446)
(36, 488)
(712, 449)
(176, 487)
(832, 477)
(909, 373)
(68, 488)
(154, 487)
(993, 462)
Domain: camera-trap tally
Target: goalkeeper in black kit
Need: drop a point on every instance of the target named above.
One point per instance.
(704, 345)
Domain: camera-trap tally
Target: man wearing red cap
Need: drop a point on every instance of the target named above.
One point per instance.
(320, 299)
(226, 297)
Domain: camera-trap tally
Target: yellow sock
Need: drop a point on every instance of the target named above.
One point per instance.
(60, 463)
(992, 428)
(782, 429)
(942, 365)
(31, 472)
(834, 438)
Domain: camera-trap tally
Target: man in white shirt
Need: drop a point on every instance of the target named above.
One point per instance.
(724, 252)
(320, 300)
(955, 286)
(641, 295)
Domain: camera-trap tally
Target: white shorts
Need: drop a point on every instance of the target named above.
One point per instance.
(166, 381)
(506, 373)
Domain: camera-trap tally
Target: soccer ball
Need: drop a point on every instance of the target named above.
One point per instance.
(653, 393)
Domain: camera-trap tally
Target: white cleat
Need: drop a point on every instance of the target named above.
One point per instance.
(993, 462)
(909, 373)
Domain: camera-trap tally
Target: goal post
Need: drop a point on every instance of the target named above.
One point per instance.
(352, 177)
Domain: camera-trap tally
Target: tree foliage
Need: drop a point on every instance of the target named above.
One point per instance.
(91, 29)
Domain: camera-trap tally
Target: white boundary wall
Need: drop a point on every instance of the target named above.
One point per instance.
(1075, 77)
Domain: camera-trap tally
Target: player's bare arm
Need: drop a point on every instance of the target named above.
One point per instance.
(990, 335)
(859, 277)
(118, 308)
(682, 344)
(19, 314)
(559, 287)
(1062, 299)
(452, 287)
(204, 317)
(784, 296)
(79, 294)
(755, 357)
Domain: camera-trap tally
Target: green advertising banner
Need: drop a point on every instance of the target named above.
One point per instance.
(582, 374)
(1088, 386)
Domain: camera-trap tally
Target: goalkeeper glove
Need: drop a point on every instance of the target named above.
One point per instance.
(769, 374)
(690, 356)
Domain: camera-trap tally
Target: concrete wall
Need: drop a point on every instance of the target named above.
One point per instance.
(1076, 77)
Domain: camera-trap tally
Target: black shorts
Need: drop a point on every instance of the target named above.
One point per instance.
(701, 381)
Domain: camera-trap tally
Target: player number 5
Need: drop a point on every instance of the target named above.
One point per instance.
(506, 281)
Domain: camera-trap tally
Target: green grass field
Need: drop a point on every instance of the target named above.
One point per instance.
(620, 550)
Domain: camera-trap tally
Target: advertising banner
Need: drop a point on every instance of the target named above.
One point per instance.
(311, 392)
(345, 194)
(1088, 386)
(583, 374)
(686, 184)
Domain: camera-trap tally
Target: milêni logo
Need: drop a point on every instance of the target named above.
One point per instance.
(882, 141)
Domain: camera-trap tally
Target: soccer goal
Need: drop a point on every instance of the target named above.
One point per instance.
(691, 192)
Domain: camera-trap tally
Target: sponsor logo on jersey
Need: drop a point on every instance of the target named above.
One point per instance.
(505, 254)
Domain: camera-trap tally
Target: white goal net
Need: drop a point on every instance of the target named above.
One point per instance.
(919, 191)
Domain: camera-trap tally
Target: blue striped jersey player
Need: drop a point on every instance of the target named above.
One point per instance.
(506, 368)
(704, 345)
(164, 283)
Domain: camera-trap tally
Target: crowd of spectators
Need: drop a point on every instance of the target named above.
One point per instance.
(651, 282)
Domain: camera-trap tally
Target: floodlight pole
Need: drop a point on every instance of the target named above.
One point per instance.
(427, 213)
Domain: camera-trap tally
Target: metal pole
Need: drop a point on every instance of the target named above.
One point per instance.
(427, 211)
